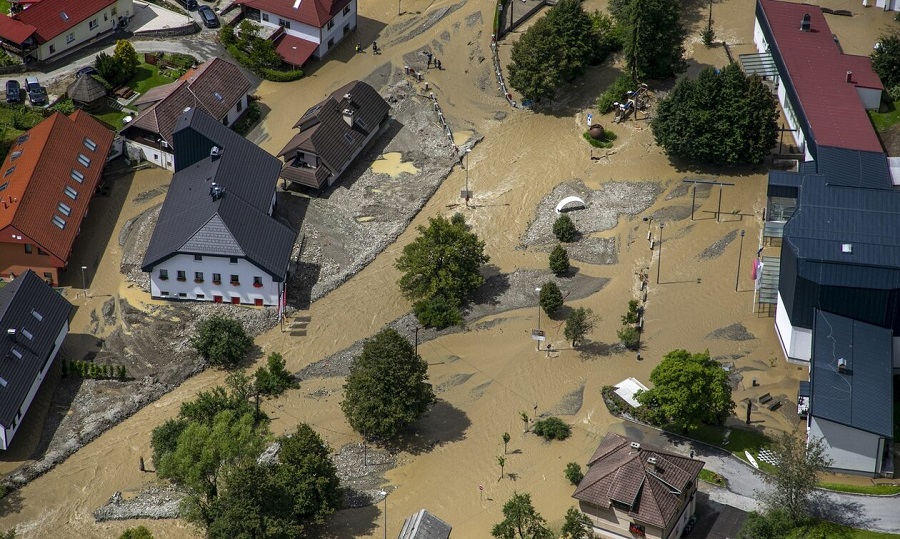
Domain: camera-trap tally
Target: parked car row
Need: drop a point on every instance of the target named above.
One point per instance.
(207, 15)
(37, 94)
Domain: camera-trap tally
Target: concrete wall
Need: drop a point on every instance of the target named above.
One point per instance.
(796, 343)
(8, 433)
(207, 290)
(851, 449)
(103, 21)
(156, 156)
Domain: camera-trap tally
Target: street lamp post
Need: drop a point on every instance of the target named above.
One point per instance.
(385, 494)
(83, 280)
(538, 291)
(468, 151)
(737, 275)
(659, 261)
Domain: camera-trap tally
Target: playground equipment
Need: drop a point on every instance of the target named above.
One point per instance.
(637, 100)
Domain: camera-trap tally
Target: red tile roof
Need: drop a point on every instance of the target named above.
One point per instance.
(285, 48)
(47, 16)
(39, 169)
(312, 12)
(818, 69)
(15, 31)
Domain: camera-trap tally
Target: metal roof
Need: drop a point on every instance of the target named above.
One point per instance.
(854, 168)
(424, 525)
(859, 395)
(236, 223)
(27, 294)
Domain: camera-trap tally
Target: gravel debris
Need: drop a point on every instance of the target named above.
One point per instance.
(361, 471)
(153, 503)
(717, 248)
(570, 404)
(734, 332)
(451, 382)
(684, 189)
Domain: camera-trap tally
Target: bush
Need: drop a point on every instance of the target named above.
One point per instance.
(630, 337)
(894, 92)
(564, 229)
(276, 75)
(552, 428)
(551, 299)
(221, 341)
(273, 379)
(437, 312)
(603, 142)
(140, 532)
(615, 92)
(574, 473)
(632, 316)
(184, 61)
(226, 35)
(559, 261)
(248, 120)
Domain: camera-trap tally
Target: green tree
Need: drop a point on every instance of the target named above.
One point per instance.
(577, 525)
(721, 117)
(551, 299)
(654, 39)
(221, 341)
(796, 476)
(630, 337)
(501, 460)
(164, 439)
(126, 58)
(886, 59)
(521, 520)
(559, 261)
(564, 229)
(552, 428)
(387, 387)
(273, 379)
(579, 323)
(506, 439)
(444, 261)
(576, 30)
(574, 473)
(689, 390)
(140, 532)
(775, 524)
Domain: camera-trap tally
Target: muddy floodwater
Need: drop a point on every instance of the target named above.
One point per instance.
(490, 373)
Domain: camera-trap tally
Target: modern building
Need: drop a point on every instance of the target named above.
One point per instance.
(216, 239)
(304, 28)
(424, 525)
(837, 307)
(217, 86)
(332, 135)
(48, 29)
(34, 321)
(634, 491)
(46, 184)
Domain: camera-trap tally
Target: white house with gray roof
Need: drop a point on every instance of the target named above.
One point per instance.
(216, 239)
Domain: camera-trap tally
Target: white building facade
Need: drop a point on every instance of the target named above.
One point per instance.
(103, 21)
(219, 279)
(326, 37)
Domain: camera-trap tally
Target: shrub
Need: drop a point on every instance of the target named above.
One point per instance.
(631, 317)
(437, 312)
(221, 341)
(559, 261)
(551, 299)
(184, 61)
(708, 35)
(564, 229)
(574, 473)
(604, 142)
(552, 428)
(248, 120)
(615, 92)
(140, 532)
(276, 75)
(894, 92)
(226, 35)
(273, 379)
(630, 337)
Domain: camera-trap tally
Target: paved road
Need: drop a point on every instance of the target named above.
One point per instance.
(881, 513)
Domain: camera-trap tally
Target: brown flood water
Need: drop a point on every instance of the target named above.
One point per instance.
(519, 161)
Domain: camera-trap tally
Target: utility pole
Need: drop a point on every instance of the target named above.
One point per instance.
(538, 291)
(737, 276)
(83, 281)
(468, 151)
(659, 261)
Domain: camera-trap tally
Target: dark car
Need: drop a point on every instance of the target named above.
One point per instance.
(208, 16)
(189, 5)
(13, 92)
(36, 93)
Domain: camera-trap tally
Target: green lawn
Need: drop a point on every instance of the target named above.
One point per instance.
(147, 76)
(739, 440)
(4, 6)
(863, 489)
(835, 531)
(884, 120)
(711, 477)
(112, 117)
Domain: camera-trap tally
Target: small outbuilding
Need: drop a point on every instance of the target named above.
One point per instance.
(424, 525)
(87, 93)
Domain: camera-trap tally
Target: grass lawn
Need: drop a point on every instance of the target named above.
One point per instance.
(884, 120)
(739, 440)
(835, 531)
(145, 77)
(863, 489)
(111, 116)
(712, 477)
(4, 6)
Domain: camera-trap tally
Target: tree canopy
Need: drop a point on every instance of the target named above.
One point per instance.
(551, 298)
(579, 323)
(521, 520)
(689, 390)
(559, 261)
(792, 483)
(221, 341)
(886, 59)
(120, 66)
(442, 265)
(721, 117)
(387, 387)
(653, 37)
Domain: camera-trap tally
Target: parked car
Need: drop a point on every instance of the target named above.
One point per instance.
(86, 70)
(209, 18)
(37, 95)
(13, 93)
(189, 5)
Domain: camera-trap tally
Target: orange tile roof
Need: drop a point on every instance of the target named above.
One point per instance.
(39, 171)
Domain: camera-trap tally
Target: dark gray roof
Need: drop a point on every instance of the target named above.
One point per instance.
(237, 222)
(803, 390)
(829, 216)
(85, 89)
(18, 299)
(424, 525)
(861, 397)
(324, 131)
(854, 168)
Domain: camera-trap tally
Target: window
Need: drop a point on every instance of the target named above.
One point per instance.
(41, 251)
(346, 29)
(3, 382)
(64, 209)
(90, 144)
(3, 186)
(284, 22)
(200, 296)
(235, 280)
(113, 11)
(182, 294)
(361, 122)
(346, 10)
(198, 276)
(181, 276)
(217, 278)
(63, 15)
(232, 260)
(163, 293)
(257, 282)
(163, 275)
(348, 138)
(84, 160)
(28, 248)
(52, 48)
(22, 139)
(59, 222)
(77, 176)
(92, 25)
(198, 257)
(331, 43)
(71, 192)
(240, 105)
(9, 171)
(37, 315)
(265, 17)
(330, 24)
(218, 96)
(70, 38)
(15, 155)
(225, 121)
(47, 277)
(17, 353)
(27, 334)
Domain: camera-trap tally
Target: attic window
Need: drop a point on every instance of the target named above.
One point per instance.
(77, 176)
(64, 209)
(15, 155)
(90, 144)
(4, 186)
(348, 138)
(63, 15)
(84, 160)
(37, 315)
(72, 193)
(27, 334)
(15, 352)
(22, 139)
(218, 96)
(59, 222)
(3, 382)
(9, 171)
(362, 123)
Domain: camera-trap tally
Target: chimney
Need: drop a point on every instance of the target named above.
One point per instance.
(805, 23)
(11, 332)
(215, 191)
(215, 152)
(842, 365)
(635, 445)
(849, 76)
(651, 464)
(348, 116)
